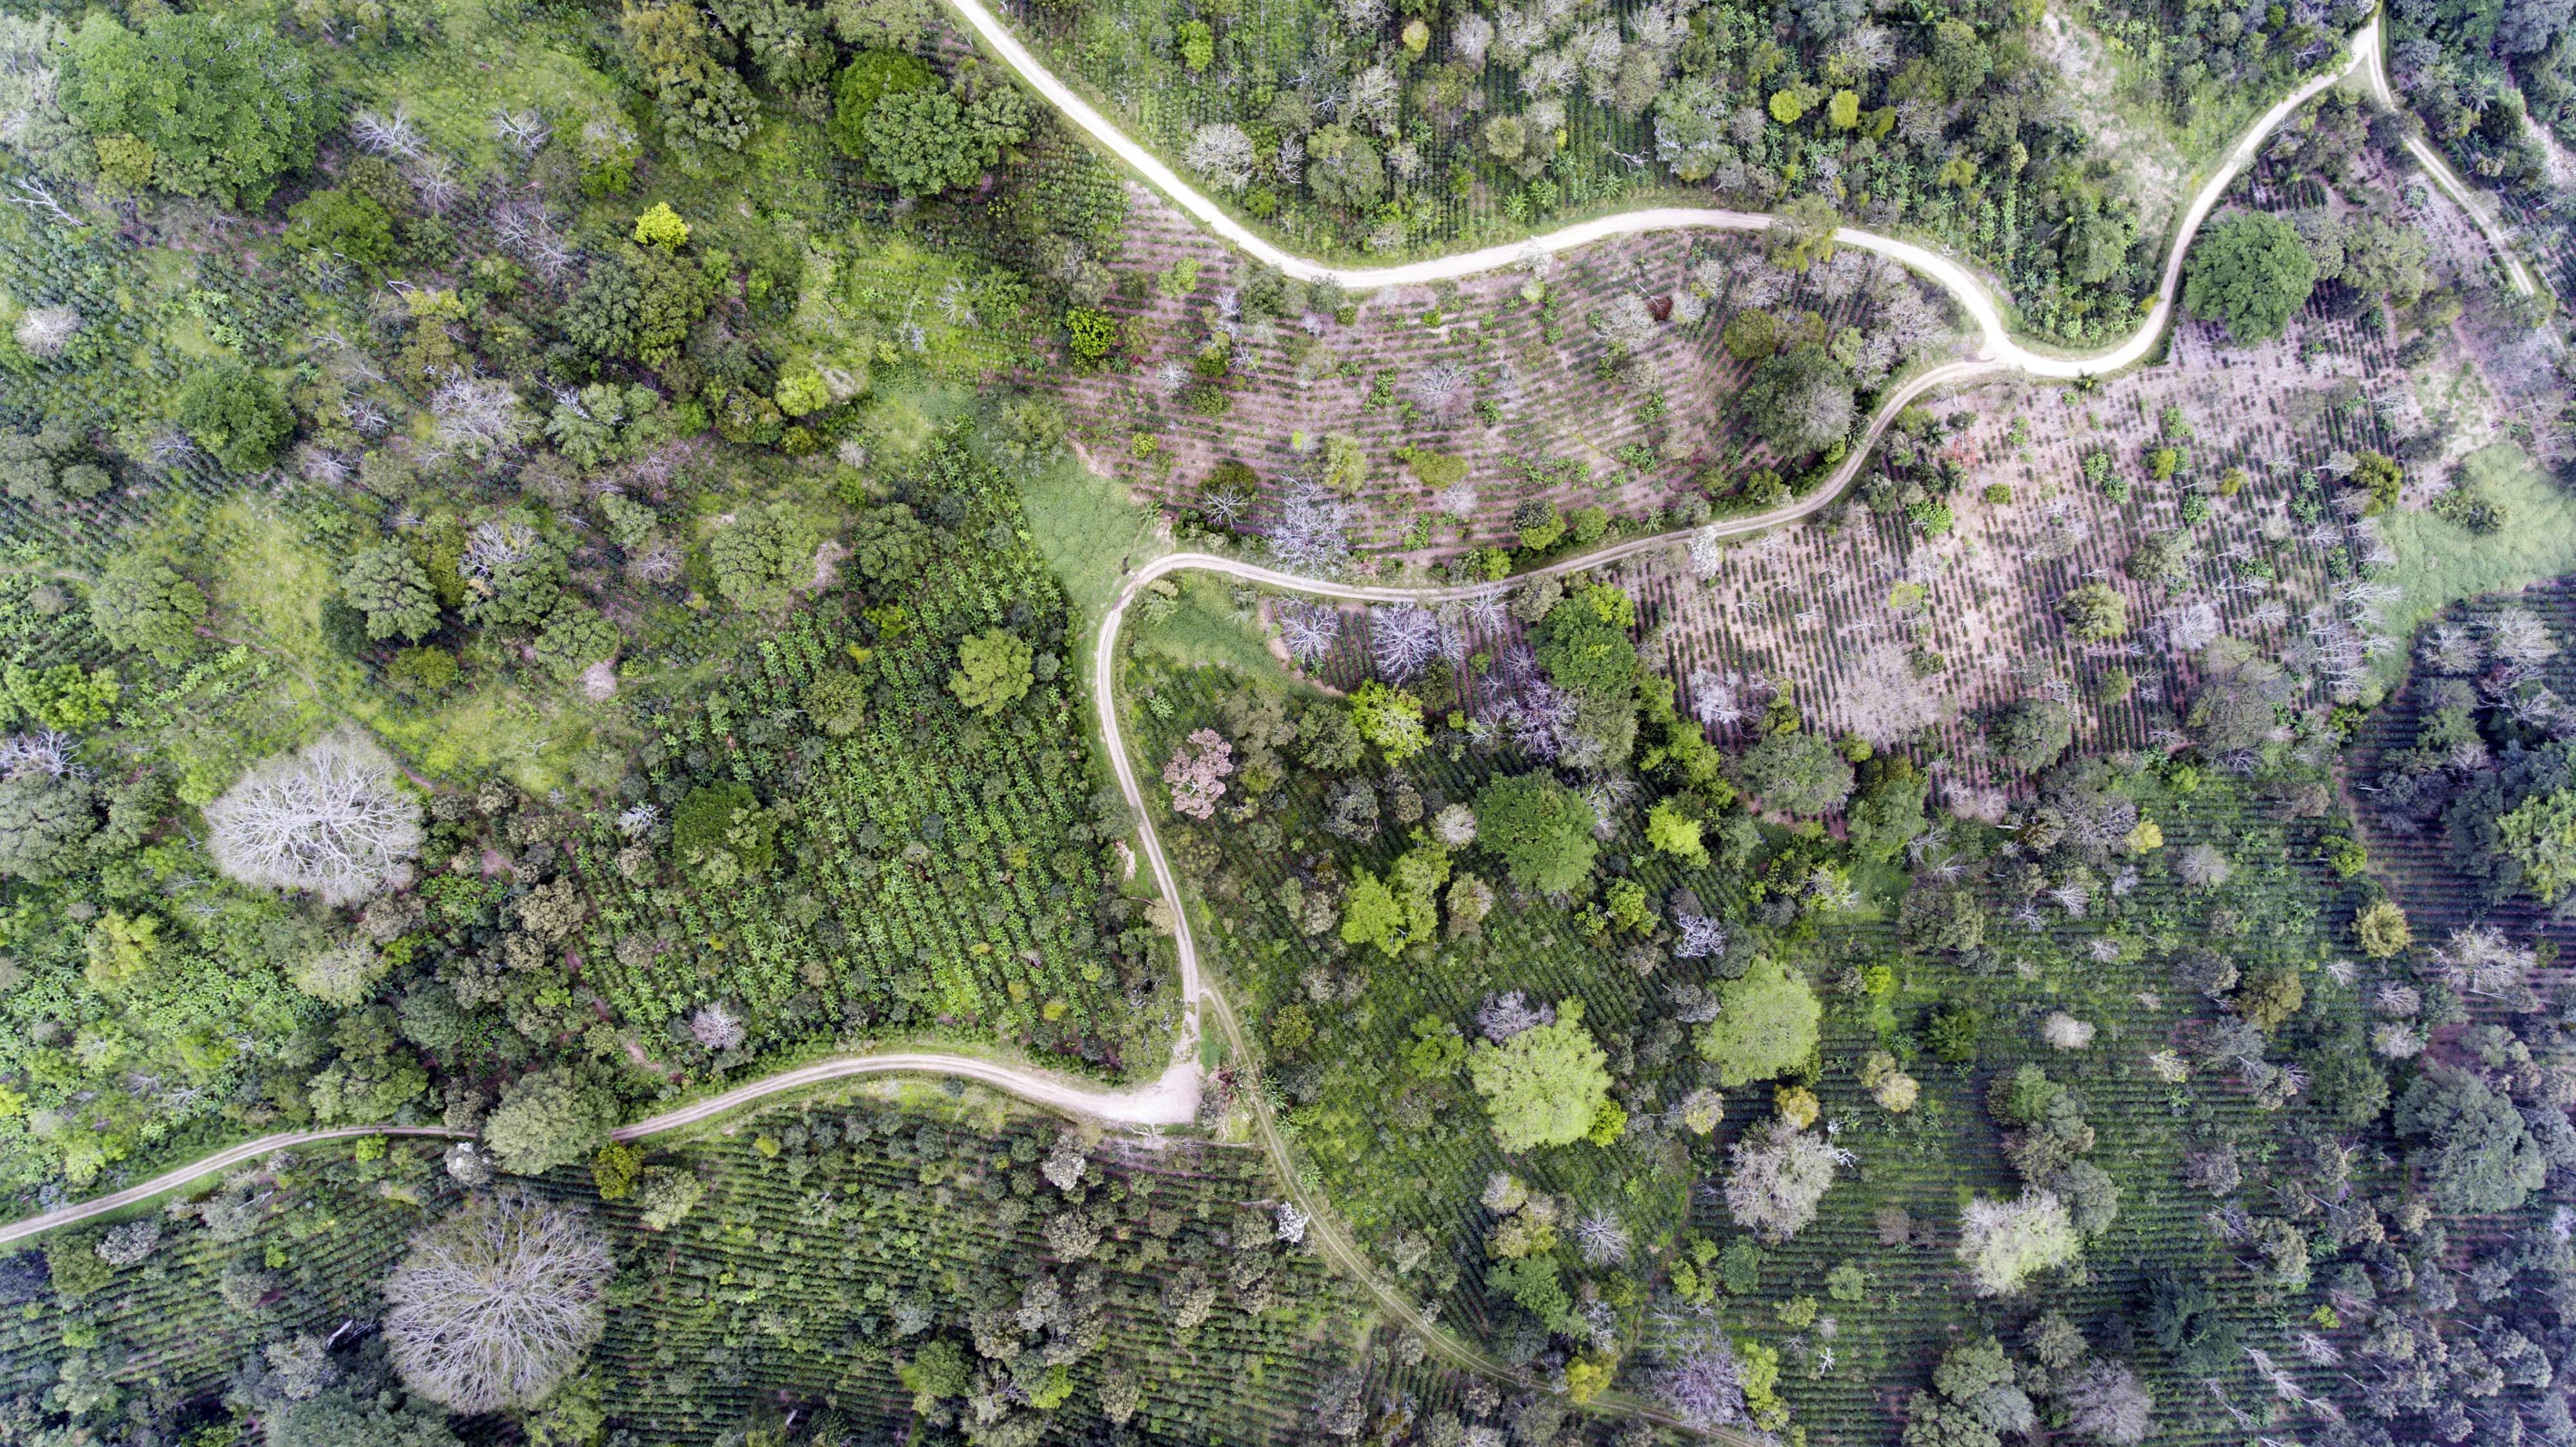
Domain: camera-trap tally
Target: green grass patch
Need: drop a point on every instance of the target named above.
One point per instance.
(1205, 630)
(1091, 533)
(2440, 563)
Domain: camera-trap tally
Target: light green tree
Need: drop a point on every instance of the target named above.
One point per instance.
(1544, 1085)
(1766, 1023)
(1390, 718)
(1673, 829)
(993, 671)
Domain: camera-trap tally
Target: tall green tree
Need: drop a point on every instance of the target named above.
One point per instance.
(2249, 273)
(198, 104)
(1544, 1085)
(1541, 830)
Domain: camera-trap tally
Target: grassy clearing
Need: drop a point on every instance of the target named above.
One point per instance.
(1205, 629)
(2440, 563)
(1091, 531)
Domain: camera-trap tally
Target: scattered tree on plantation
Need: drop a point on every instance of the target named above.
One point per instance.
(993, 671)
(1197, 773)
(45, 815)
(721, 835)
(328, 819)
(497, 1303)
(1544, 1085)
(2250, 273)
(1799, 401)
(1541, 830)
(2381, 930)
(233, 413)
(1767, 1023)
(1673, 829)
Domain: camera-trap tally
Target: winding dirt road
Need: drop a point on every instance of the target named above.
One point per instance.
(1173, 1098)
(1972, 294)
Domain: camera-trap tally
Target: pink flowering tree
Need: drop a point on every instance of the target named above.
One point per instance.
(1197, 773)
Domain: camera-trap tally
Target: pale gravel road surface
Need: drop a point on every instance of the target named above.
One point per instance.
(1973, 295)
(222, 1160)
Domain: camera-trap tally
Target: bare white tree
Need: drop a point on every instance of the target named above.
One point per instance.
(1223, 154)
(327, 818)
(2479, 960)
(479, 415)
(1602, 1238)
(716, 1027)
(1780, 1173)
(2204, 866)
(2516, 635)
(525, 129)
(497, 1303)
(2109, 1405)
(386, 135)
(1309, 630)
(1402, 640)
(2064, 1032)
(44, 331)
(1703, 1382)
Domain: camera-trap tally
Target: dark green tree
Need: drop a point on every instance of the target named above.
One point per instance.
(2470, 1145)
(200, 104)
(1795, 771)
(927, 141)
(389, 585)
(2249, 273)
(234, 413)
(139, 604)
(1799, 401)
(870, 77)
